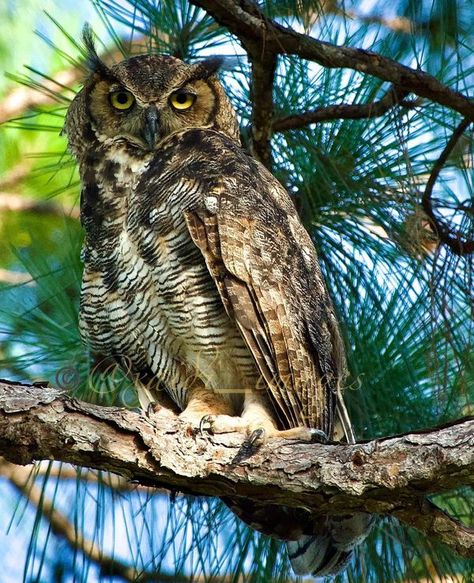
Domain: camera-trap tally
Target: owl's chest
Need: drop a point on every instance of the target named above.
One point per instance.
(147, 295)
(148, 286)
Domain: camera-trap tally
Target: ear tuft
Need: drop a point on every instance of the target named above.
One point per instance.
(208, 67)
(93, 61)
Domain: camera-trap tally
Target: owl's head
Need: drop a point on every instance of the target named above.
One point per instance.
(144, 99)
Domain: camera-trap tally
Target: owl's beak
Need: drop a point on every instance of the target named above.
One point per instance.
(150, 129)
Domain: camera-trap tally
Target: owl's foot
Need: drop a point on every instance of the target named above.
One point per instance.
(255, 436)
(258, 431)
(218, 424)
(259, 436)
(214, 424)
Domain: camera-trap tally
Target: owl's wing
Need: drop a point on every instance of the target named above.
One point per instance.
(267, 273)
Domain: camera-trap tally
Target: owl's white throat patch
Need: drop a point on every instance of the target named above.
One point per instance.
(129, 167)
(212, 204)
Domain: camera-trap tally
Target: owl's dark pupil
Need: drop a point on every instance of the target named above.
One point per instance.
(181, 97)
(122, 98)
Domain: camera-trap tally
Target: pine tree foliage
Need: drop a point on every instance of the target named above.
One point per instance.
(404, 297)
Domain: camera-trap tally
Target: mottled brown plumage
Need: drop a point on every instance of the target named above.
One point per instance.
(199, 278)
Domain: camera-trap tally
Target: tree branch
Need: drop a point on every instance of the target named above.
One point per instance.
(15, 176)
(342, 111)
(249, 24)
(428, 518)
(385, 476)
(19, 203)
(261, 94)
(20, 99)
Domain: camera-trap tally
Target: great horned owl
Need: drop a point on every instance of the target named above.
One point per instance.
(199, 278)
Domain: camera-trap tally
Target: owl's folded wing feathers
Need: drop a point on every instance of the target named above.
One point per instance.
(267, 275)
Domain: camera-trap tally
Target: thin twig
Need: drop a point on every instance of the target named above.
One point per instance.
(397, 23)
(452, 239)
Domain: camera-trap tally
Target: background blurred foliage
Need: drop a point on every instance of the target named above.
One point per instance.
(406, 304)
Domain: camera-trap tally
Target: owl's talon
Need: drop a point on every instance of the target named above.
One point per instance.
(256, 438)
(205, 425)
(318, 436)
(250, 445)
(150, 410)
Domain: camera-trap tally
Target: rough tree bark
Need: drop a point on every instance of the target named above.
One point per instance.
(389, 476)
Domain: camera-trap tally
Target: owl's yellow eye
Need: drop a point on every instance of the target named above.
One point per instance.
(182, 100)
(122, 99)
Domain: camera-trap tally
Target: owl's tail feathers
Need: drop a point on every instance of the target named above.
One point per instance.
(316, 546)
(317, 556)
(329, 551)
